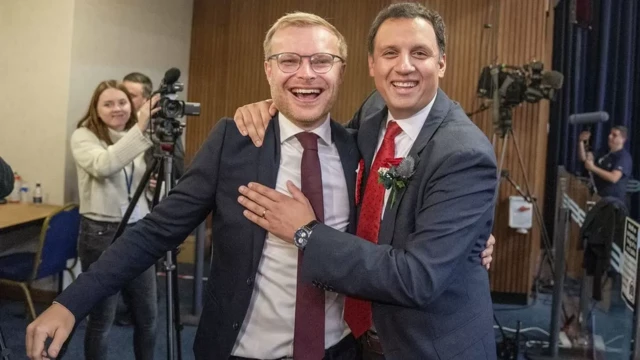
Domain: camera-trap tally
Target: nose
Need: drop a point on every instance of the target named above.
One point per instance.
(305, 71)
(404, 64)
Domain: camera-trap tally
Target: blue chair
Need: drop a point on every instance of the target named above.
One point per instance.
(57, 244)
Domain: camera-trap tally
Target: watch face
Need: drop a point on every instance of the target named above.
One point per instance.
(301, 237)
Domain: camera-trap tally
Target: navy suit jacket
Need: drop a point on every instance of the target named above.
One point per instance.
(430, 293)
(210, 185)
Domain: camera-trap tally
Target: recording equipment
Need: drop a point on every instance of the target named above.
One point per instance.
(165, 130)
(588, 118)
(517, 84)
(166, 127)
(169, 106)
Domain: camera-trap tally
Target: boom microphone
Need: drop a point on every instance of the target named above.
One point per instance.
(553, 79)
(589, 118)
(171, 76)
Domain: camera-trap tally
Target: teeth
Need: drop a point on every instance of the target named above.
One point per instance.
(306, 91)
(405, 84)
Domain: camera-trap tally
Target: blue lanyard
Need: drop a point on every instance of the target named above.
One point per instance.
(129, 179)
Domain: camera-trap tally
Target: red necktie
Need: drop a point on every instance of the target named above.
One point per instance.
(357, 313)
(308, 335)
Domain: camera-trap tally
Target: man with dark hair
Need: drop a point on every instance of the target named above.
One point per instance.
(6, 179)
(428, 180)
(612, 169)
(140, 88)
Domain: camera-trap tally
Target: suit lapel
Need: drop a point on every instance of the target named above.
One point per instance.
(349, 159)
(268, 165)
(437, 114)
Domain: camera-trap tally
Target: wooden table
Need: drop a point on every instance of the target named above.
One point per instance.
(16, 214)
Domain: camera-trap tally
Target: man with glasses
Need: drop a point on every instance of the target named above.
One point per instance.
(255, 307)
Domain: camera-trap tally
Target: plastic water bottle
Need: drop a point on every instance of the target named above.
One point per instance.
(17, 185)
(24, 193)
(37, 194)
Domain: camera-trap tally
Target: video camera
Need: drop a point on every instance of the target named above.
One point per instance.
(517, 84)
(166, 126)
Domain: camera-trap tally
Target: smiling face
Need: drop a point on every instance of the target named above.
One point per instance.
(114, 108)
(304, 96)
(406, 65)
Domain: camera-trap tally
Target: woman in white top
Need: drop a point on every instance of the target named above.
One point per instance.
(108, 147)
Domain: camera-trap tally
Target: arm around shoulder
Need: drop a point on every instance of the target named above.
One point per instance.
(452, 220)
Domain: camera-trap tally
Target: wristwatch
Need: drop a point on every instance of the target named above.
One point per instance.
(302, 235)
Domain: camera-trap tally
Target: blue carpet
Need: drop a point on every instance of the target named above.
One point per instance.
(13, 324)
(613, 326)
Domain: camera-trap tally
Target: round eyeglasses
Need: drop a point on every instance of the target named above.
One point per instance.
(290, 62)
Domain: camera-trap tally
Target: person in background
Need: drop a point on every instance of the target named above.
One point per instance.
(108, 147)
(612, 168)
(6, 179)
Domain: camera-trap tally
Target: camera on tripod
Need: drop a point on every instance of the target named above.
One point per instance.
(508, 86)
(517, 84)
(166, 126)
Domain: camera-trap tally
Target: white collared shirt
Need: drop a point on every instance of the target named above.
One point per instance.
(404, 141)
(267, 330)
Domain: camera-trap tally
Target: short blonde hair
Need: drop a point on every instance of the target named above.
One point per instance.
(302, 19)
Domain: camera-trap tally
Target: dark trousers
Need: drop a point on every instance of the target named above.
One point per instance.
(94, 238)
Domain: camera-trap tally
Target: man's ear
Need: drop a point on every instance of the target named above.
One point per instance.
(267, 70)
(370, 61)
(442, 63)
(342, 71)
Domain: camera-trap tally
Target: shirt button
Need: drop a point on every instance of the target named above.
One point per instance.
(236, 326)
(250, 280)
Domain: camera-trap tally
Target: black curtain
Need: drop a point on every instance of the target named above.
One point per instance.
(597, 50)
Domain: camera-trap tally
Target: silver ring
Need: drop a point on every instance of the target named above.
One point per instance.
(264, 213)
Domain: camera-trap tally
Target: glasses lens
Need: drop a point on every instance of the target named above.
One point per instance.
(321, 63)
(289, 62)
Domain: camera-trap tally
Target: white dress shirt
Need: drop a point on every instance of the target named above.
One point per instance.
(267, 330)
(404, 141)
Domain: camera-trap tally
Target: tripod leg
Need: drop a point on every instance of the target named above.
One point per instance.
(177, 322)
(134, 200)
(503, 152)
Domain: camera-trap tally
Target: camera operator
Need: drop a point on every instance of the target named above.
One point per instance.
(6, 179)
(140, 88)
(612, 169)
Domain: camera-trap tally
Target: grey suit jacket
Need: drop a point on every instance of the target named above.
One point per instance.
(430, 293)
(225, 161)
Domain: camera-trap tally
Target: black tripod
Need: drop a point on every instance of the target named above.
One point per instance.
(168, 132)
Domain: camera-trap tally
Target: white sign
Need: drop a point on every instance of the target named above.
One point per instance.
(520, 214)
(630, 262)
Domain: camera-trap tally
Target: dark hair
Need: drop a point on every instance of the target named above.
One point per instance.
(140, 78)
(92, 121)
(409, 11)
(623, 130)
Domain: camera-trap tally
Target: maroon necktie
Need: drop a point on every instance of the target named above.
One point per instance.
(308, 336)
(357, 313)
